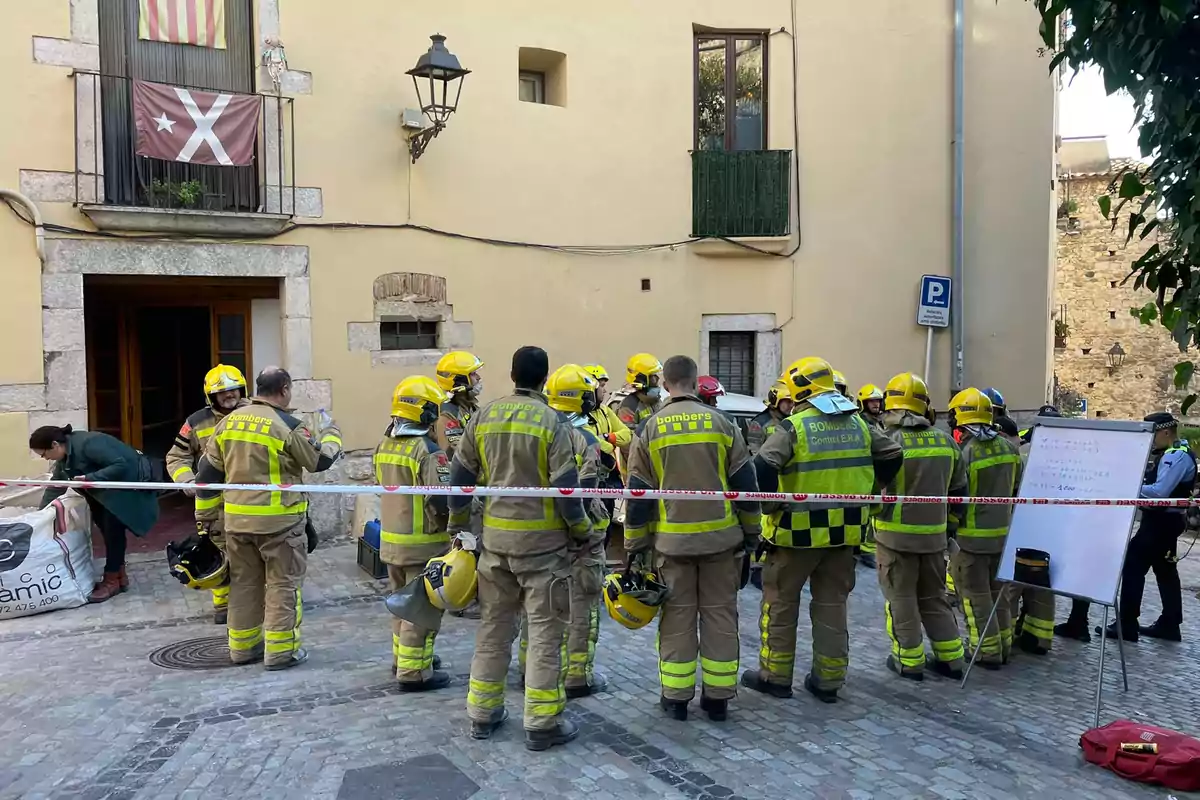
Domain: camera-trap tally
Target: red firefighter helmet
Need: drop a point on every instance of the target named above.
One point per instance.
(710, 389)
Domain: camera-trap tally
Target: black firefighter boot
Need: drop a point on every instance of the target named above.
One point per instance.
(676, 709)
(436, 680)
(484, 730)
(563, 732)
(596, 683)
(753, 679)
(717, 710)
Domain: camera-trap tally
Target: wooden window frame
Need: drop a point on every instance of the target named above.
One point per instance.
(730, 37)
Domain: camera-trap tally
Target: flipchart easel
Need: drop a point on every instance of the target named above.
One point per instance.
(1082, 459)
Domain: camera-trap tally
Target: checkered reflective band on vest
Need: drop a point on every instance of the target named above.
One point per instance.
(832, 454)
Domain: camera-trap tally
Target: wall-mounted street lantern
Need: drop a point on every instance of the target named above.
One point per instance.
(438, 78)
(1116, 357)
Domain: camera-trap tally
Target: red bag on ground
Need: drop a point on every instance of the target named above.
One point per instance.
(1176, 765)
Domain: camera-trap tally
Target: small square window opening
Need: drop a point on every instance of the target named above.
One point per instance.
(408, 334)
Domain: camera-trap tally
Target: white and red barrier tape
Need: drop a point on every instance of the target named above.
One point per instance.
(648, 494)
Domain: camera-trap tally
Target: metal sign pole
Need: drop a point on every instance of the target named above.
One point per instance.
(928, 351)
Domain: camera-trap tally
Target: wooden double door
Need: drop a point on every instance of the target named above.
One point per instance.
(148, 350)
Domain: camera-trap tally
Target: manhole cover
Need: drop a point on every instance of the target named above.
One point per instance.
(211, 652)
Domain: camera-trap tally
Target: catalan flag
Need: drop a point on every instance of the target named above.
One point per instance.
(196, 22)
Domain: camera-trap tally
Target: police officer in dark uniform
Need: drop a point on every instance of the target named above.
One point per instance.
(1171, 473)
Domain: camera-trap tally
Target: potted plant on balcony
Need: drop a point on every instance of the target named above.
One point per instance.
(186, 194)
(1061, 331)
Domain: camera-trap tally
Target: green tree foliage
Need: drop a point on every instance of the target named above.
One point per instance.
(1150, 49)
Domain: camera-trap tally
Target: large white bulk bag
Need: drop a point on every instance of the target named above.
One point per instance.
(46, 558)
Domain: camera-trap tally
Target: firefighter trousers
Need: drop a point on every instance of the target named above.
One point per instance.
(266, 571)
(412, 646)
(1033, 610)
(978, 591)
(587, 577)
(914, 588)
(703, 590)
(829, 571)
(508, 585)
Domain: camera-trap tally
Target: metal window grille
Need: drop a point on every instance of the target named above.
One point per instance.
(731, 360)
(408, 334)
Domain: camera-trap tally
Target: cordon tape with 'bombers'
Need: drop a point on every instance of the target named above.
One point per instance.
(648, 494)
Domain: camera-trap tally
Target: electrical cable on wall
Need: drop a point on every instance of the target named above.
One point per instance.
(586, 250)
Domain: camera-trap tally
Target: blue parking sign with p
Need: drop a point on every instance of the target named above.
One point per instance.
(933, 305)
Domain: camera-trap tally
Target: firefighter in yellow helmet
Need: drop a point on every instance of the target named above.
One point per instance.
(224, 391)
(458, 375)
(910, 538)
(571, 391)
(613, 434)
(823, 447)
(642, 395)
(698, 545)
(993, 467)
(413, 528)
(265, 530)
(527, 544)
(760, 427)
(778, 407)
(870, 403)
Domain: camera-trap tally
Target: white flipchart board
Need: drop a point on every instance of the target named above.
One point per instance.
(1085, 459)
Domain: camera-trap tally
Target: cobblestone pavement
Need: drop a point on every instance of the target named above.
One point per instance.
(84, 714)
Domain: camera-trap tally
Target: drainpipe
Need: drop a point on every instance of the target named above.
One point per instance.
(957, 232)
(39, 229)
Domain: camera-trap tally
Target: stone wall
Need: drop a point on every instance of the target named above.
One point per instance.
(1094, 299)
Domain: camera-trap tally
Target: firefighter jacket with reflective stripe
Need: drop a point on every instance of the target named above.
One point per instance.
(451, 422)
(604, 424)
(993, 470)
(760, 428)
(813, 452)
(519, 441)
(690, 445)
(587, 457)
(630, 409)
(412, 528)
(262, 443)
(932, 466)
(184, 456)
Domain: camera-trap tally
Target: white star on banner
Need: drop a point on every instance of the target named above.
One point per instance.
(164, 124)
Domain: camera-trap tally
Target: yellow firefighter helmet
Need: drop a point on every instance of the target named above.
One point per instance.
(198, 563)
(596, 371)
(640, 369)
(571, 389)
(451, 580)
(971, 407)
(223, 378)
(417, 398)
(454, 370)
(869, 391)
(778, 391)
(809, 377)
(633, 597)
(908, 392)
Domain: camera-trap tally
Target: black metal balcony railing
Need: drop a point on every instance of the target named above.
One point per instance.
(741, 192)
(108, 170)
